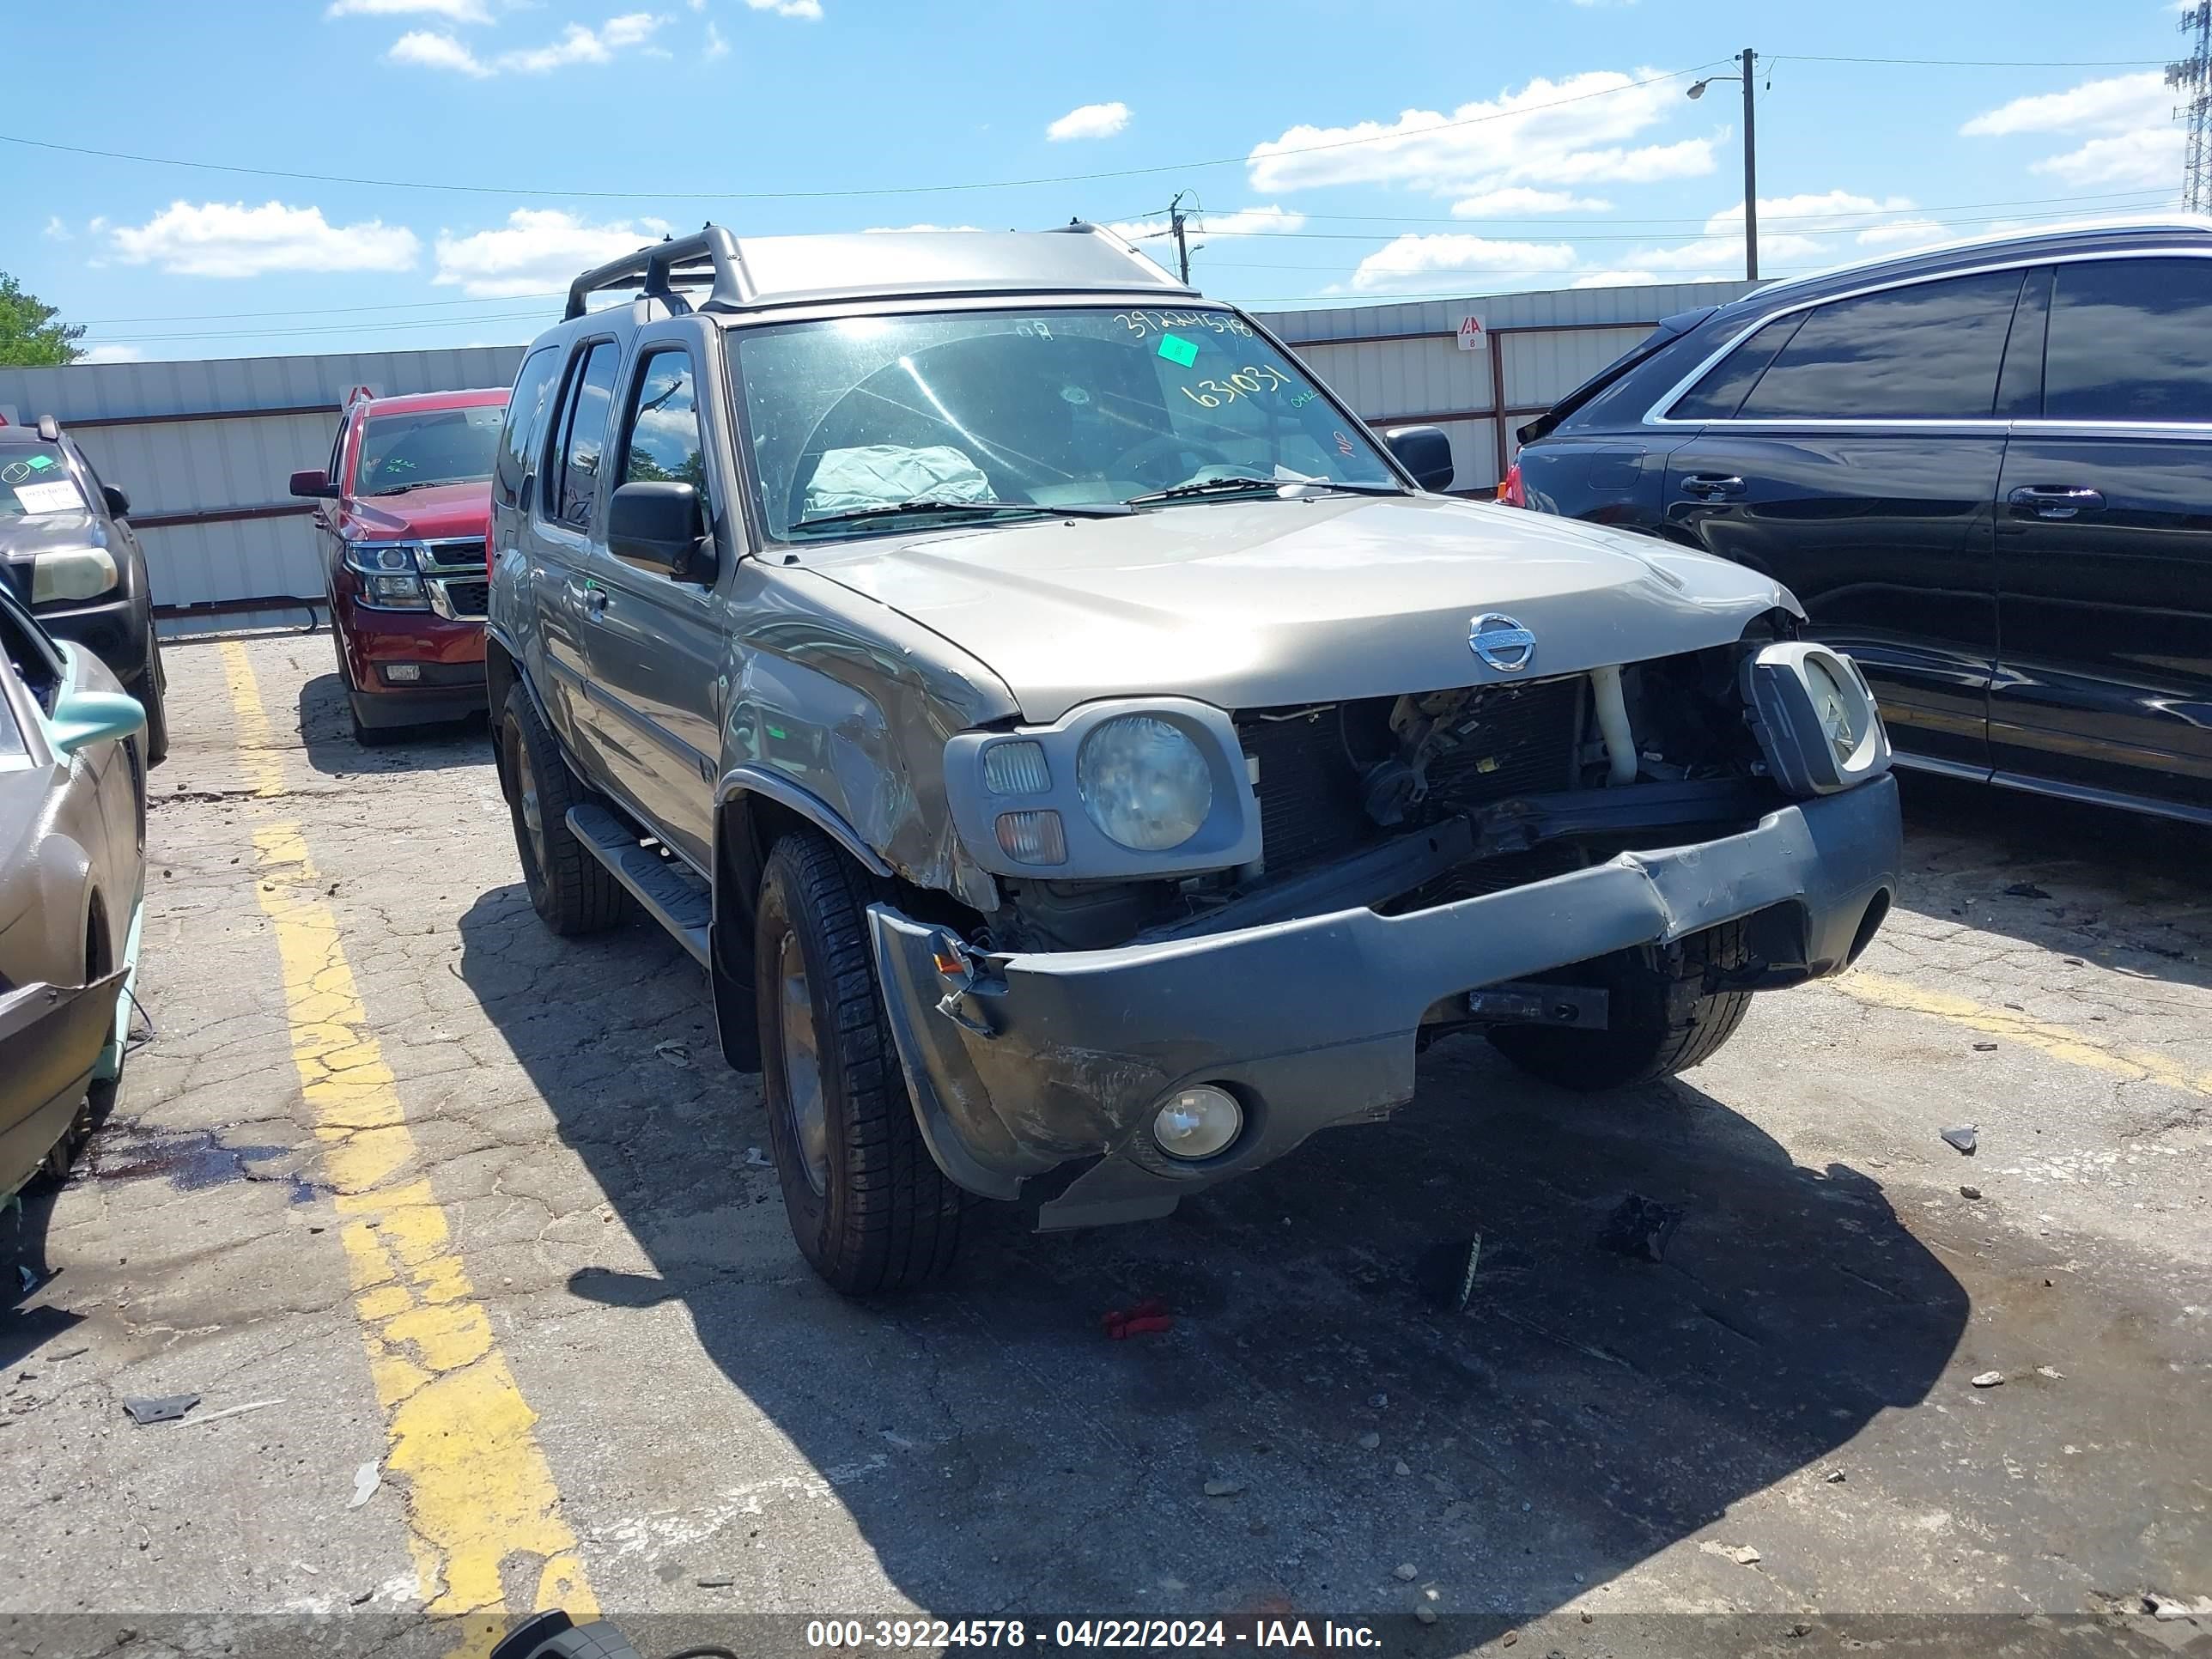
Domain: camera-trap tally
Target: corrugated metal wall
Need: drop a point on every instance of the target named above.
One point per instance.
(204, 449)
(1401, 364)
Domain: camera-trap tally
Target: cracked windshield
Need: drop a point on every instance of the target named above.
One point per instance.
(1048, 410)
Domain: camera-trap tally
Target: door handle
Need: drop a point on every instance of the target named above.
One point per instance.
(1711, 486)
(588, 597)
(2056, 502)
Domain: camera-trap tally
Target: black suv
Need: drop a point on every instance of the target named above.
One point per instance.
(67, 549)
(1985, 469)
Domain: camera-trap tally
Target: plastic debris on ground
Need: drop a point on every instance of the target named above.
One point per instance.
(1224, 1488)
(160, 1407)
(1444, 1274)
(1642, 1228)
(1989, 1379)
(1147, 1318)
(675, 1053)
(365, 1480)
(1964, 1136)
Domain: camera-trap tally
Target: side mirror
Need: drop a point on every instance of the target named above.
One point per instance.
(82, 718)
(118, 504)
(314, 484)
(1424, 451)
(661, 526)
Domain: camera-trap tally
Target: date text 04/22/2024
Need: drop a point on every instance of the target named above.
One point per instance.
(856, 1635)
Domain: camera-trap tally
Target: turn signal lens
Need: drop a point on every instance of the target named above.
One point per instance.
(1033, 837)
(1016, 768)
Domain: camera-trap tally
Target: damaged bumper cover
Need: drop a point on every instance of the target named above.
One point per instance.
(1025, 1064)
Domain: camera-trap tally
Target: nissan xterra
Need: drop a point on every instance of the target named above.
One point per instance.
(1087, 761)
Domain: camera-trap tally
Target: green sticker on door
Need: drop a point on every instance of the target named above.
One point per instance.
(1177, 349)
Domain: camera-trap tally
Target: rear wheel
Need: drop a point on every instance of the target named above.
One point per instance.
(1663, 1019)
(572, 891)
(868, 1204)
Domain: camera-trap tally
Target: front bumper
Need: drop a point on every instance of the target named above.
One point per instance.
(447, 655)
(1049, 1058)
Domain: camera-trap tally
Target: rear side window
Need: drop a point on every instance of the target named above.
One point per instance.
(583, 435)
(2131, 340)
(1720, 394)
(1927, 352)
(526, 424)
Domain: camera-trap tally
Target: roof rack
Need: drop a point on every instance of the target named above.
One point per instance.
(656, 269)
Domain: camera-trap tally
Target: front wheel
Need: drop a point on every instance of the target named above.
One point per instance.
(868, 1204)
(1662, 1017)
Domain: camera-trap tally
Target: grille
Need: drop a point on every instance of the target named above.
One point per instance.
(1520, 740)
(468, 598)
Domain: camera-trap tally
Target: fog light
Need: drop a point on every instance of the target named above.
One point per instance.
(1198, 1122)
(403, 673)
(1033, 837)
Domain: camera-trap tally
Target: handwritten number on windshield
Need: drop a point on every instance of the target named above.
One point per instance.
(1247, 381)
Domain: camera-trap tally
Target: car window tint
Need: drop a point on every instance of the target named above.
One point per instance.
(2020, 389)
(1928, 351)
(664, 442)
(1716, 397)
(587, 435)
(2131, 340)
(334, 469)
(526, 409)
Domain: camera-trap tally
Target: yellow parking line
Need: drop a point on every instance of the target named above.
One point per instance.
(481, 1502)
(2061, 1043)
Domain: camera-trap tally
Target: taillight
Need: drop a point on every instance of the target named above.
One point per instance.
(1510, 492)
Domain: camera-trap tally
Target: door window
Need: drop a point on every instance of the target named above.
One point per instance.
(1720, 394)
(665, 446)
(1928, 351)
(583, 435)
(2131, 340)
(526, 410)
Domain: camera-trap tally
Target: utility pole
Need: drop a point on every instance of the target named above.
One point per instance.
(1177, 216)
(1749, 60)
(2193, 77)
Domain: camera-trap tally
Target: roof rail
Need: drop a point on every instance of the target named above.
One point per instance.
(653, 270)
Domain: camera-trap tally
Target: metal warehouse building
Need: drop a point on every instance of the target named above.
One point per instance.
(203, 449)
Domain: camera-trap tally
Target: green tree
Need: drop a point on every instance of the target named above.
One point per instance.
(29, 336)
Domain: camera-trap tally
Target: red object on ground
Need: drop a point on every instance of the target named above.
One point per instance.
(1147, 1317)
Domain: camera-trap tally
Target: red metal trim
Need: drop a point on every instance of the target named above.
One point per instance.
(89, 422)
(218, 515)
(1497, 398)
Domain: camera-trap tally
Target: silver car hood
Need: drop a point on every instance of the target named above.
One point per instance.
(1255, 605)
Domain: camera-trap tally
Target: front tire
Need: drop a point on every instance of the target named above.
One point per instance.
(572, 892)
(1663, 1020)
(868, 1204)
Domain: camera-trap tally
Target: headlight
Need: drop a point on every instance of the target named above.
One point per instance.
(72, 573)
(1815, 718)
(372, 558)
(1144, 783)
(386, 569)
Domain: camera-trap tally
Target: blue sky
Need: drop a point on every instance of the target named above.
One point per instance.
(1359, 150)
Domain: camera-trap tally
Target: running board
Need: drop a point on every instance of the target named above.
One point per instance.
(669, 894)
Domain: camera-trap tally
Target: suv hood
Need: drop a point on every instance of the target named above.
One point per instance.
(441, 511)
(38, 532)
(1263, 604)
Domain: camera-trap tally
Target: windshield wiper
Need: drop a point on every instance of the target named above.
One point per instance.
(932, 504)
(1243, 485)
(420, 483)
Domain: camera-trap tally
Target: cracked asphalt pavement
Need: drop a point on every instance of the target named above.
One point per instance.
(467, 1241)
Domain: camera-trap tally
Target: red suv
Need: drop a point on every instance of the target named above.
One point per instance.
(404, 559)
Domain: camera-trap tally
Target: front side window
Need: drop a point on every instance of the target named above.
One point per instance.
(665, 444)
(400, 453)
(1928, 351)
(583, 435)
(2129, 340)
(1051, 408)
(524, 423)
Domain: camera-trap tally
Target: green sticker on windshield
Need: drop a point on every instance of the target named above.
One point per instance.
(1177, 349)
(40, 463)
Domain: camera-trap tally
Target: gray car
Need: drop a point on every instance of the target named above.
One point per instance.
(1087, 761)
(72, 881)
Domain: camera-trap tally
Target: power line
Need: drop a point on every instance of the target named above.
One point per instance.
(1974, 62)
(816, 195)
(321, 311)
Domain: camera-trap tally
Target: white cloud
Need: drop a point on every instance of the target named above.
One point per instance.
(458, 11)
(229, 239)
(892, 230)
(112, 353)
(1508, 200)
(537, 251)
(2120, 100)
(1412, 261)
(2126, 121)
(1553, 132)
(1903, 234)
(578, 44)
(808, 9)
(1247, 221)
(56, 231)
(426, 49)
(716, 46)
(1792, 233)
(1090, 121)
(1618, 279)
